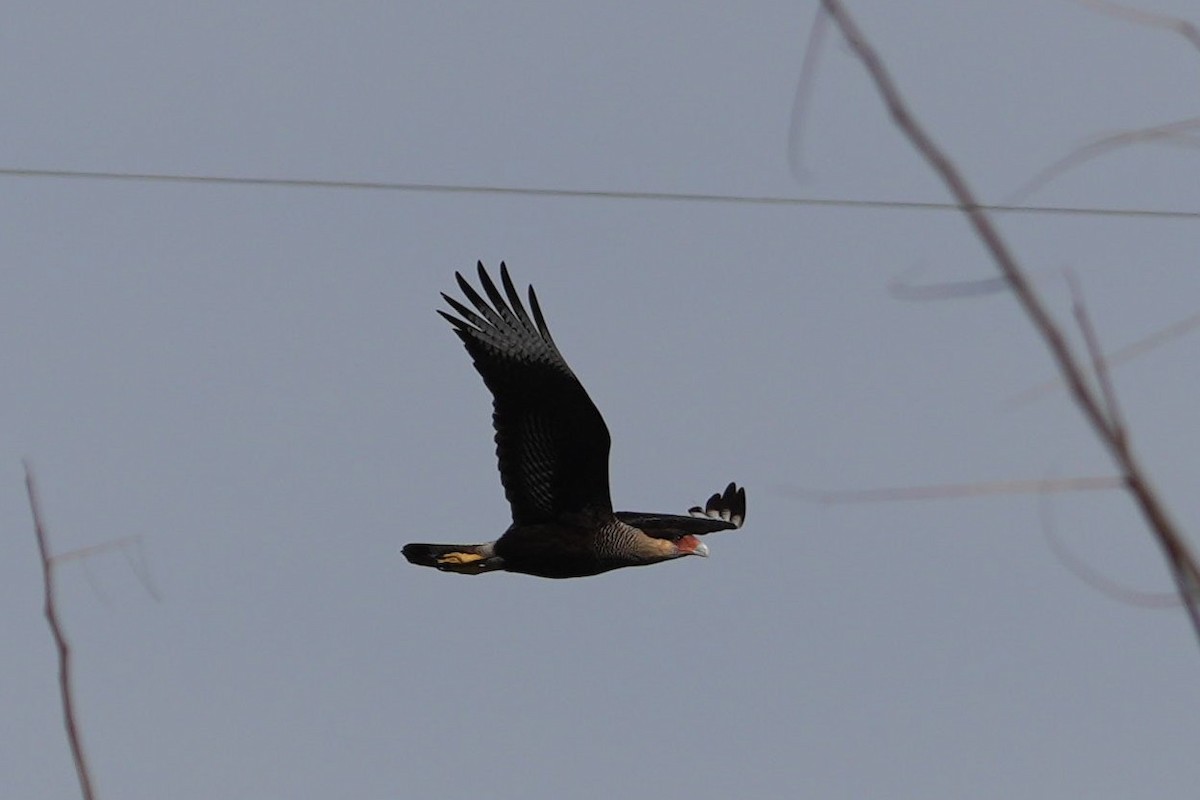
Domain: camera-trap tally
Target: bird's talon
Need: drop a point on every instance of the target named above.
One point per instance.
(459, 558)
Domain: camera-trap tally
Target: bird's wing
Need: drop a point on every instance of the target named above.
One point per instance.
(672, 526)
(551, 441)
(723, 512)
(729, 505)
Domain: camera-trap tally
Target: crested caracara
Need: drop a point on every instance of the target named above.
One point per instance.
(552, 445)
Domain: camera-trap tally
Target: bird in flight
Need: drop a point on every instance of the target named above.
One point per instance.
(552, 445)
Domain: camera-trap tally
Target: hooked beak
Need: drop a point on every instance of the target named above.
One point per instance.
(701, 550)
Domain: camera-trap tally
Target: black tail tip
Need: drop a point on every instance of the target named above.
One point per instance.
(423, 555)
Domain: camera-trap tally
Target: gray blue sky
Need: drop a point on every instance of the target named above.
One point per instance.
(253, 381)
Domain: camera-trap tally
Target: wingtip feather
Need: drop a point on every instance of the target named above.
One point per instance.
(536, 307)
(729, 506)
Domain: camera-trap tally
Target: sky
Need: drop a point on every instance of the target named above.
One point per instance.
(251, 382)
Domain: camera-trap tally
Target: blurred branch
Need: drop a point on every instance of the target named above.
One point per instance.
(1178, 25)
(943, 491)
(1117, 357)
(60, 640)
(95, 549)
(1108, 394)
(804, 86)
(903, 289)
(1174, 546)
(1044, 488)
(125, 544)
(1093, 578)
(1180, 133)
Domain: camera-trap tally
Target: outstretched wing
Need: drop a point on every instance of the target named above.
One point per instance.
(551, 441)
(722, 512)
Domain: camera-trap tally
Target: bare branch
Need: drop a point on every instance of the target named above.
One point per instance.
(1117, 357)
(95, 549)
(1044, 488)
(141, 568)
(1175, 547)
(1177, 133)
(804, 84)
(944, 491)
(128, 545)
(1084, 572)
(60, 641)
(903, 289)
(1116, 428)
(1184, 28)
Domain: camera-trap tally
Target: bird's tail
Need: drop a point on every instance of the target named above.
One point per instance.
(465, 559)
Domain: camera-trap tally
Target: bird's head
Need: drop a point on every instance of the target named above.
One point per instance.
(690, 545)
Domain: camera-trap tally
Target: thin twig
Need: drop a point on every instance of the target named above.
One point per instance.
(1172, 132)
(1043, 488)
(141, 568)
(1183, 27)
(902, 289)
(1176, 133)
(94, 549)
(1116, 358)
(804, 86)
(1116, 426)
(125, 544)
(60, 641)
(892, 494)
(1175, 547)
(1092, 577)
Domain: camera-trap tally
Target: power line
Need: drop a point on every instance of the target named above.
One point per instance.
(527, 191)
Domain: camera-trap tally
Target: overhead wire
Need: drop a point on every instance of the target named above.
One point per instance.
(603, 194)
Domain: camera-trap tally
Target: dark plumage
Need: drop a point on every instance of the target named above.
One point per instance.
(553, 445)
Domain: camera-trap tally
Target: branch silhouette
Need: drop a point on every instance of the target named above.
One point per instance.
(1183, 27)
(1115, 358)
(944, 491)
(70, 718)
(1091, 402)
(1181, 133)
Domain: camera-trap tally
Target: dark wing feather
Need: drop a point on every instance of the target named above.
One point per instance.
(729, 505)
(723, 512)
(673, 526)
(551, 441)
